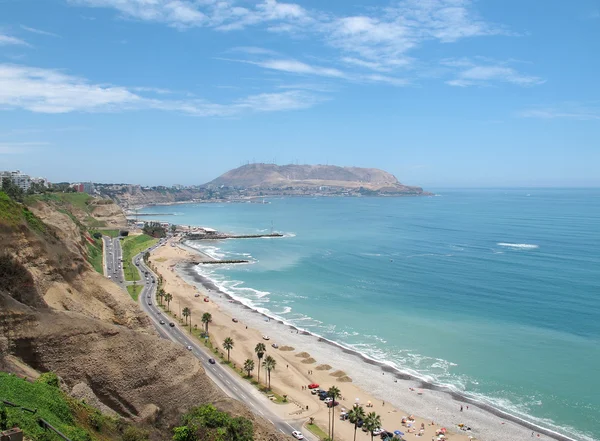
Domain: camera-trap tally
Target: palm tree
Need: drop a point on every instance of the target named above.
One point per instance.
(228, 344)
(161, 294)
(190, 316)
(206, 319)
(334, 393)
(269, 364)
(168, 298)
(249, 366)
(372, 422)
(186, 313)
(357, 413)
(260, 350)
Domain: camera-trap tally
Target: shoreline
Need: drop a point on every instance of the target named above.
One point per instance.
(440, 404)
(399, 375)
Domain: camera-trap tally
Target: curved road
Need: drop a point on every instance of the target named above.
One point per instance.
(229, 382)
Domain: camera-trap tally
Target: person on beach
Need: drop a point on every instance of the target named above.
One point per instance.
(461, 408)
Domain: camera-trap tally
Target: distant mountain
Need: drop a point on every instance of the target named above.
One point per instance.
(328, 178)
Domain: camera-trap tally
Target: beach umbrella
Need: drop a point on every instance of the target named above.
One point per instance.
(397, 432)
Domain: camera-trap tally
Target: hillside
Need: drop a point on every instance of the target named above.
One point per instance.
(288, 177)
(57, 314)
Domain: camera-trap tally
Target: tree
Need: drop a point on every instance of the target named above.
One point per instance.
(184, 433)
(206, 319)
(249, 366)
(168, 298)
(260, 350)
(228, 345)
(161, 294)
(334, 393)
(13, 191)
(269, 364)
(186, 313)
(372, 422)
(173, 228)
(357, 413)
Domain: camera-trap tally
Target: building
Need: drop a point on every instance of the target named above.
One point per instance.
(84, 187)
(21, 180)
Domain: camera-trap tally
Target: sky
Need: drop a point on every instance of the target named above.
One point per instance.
(441, 93)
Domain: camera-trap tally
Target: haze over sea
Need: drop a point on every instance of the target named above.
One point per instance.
(495, 293)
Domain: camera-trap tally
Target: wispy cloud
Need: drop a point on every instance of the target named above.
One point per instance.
(296, 67)
(51, 91)
(472, 73)
(16, 148)
(566, 111)
(6, 40)
(39, 31)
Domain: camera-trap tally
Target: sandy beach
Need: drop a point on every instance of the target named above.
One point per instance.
(312, 360)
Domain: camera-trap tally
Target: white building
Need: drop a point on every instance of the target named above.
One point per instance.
(21, 180)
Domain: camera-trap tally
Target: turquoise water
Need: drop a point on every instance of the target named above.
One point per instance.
(495, 293)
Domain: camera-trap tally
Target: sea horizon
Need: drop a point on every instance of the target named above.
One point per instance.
(425, 261)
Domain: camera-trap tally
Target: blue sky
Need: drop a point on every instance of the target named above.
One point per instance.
(438, 92)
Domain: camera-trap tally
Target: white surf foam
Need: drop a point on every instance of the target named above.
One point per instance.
(522, 246)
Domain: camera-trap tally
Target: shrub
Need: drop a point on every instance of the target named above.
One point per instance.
(49, 378)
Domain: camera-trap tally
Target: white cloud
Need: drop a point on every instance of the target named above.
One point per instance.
(51, 91)
(568, 111)
(6, 40)
(39, 31)
(16, 148)
(469, 73)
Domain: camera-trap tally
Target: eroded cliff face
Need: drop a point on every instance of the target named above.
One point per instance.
(57, 314)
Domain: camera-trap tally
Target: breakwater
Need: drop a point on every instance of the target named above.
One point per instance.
(216, 262)
(229, 236)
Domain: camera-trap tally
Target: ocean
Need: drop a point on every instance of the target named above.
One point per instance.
(494, 293)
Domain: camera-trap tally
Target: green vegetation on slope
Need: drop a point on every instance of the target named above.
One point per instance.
(95, 257)
(132, 245)
(10, 212)
(109, 233)
(134, 291)
(206, 423)
(76, 420)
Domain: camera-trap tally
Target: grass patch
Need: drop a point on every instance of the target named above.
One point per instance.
(316, 430)
(78, 200)
(132, 245)
(10, 212)
(95, 257)
(109, 233)
(76, 420)
(134, 291)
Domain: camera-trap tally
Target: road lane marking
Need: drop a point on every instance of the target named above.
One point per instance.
(244, 396)
(270, 421)
(220, 375)
(281, 430)
(227, 381)
(260, 411)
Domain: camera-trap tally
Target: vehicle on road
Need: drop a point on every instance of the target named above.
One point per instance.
(196, 295)
(109, 276)
(172, 325)
(332, 404)
(360, 423)
(206, 299)
(150, 303)
(211, 361)
(378, 431)
(275, 345)
(298, 435)
(188, 347)
(313, 386)
(234, 320)
(266, 337)
(162, 322)
(344, 416)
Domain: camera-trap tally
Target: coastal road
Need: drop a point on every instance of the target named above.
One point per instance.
(113, 267)
(221, 375)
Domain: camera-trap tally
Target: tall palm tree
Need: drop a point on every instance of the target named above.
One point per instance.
(372, 422)
(269, 364)
(249, 366)
(357, 413)
(190, 316)
(206, 319)
(334, 393)
(161, 294)
(228, 344)
(260, 350)
(168, 298)
(186, 313)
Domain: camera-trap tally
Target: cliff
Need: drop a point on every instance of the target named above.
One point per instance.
(57, 314)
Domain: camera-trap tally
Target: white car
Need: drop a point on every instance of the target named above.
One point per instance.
(266, 337)
(327, 400)
(297, 435)
(378, 431)
(189, 348)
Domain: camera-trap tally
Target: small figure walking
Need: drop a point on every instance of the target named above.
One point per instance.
(461, 408)
(383, 404)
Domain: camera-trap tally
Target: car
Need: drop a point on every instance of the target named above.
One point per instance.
(137, 264)
(360, 423)
(344, 416)
(298, 435)
(172, 325)
(162, 322)
(275, 346)
(266, 337)
(211, 361)
(313, 386)
(196, 295)
(158, 313)
(109, 276)
(150, 303)
(234, 320)
(314, 391)
(386, 435)
(328, 400)
(188, 347)
(206, 299)
(378, 431)
(153, 281)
